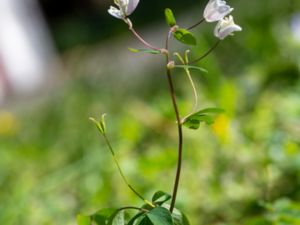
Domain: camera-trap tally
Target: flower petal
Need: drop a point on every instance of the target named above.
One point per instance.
(115, 12)
(226, 27)
(132, 6)
(216, 10)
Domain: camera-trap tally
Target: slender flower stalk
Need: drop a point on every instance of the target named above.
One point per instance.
(139, 37)
(196, 24)
(206, 53)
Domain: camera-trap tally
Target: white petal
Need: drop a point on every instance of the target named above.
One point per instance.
(123, 4)
(226, 27)
(216, 10)
(115, 12)
(131, 6)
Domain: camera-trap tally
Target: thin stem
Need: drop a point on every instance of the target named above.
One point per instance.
(179, 126)
(197, 24)
(187, 71)
(121, 172)
(206, 53)
(194, 89)
(130, 26)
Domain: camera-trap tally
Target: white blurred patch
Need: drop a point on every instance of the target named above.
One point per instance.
(25, 48)
(295, 26)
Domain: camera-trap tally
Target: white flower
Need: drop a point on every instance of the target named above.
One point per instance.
(125, 8)
(226, 27)
(216, 10)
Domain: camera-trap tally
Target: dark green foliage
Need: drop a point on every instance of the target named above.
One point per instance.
(160, 216)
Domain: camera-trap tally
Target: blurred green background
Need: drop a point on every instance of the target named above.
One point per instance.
(244, 169)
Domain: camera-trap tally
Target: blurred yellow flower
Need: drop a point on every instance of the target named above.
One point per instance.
(8, 124)
(221, 127)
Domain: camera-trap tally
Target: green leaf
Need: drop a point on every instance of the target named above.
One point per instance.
(179, 218)
(83, 220)
(100, 124)
(135, 217)
(160, 197)
(150, 51)
(160, 216)
(191, 67)
(211, 110)
(193, 121)
(117, 218)
(102, 216)
(171, 21)
(145, 221)
(185, 37)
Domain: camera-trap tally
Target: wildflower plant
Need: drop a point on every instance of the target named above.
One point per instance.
(160, 210)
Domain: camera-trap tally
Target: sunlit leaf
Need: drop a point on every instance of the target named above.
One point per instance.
(171, 21)
(185, 37)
